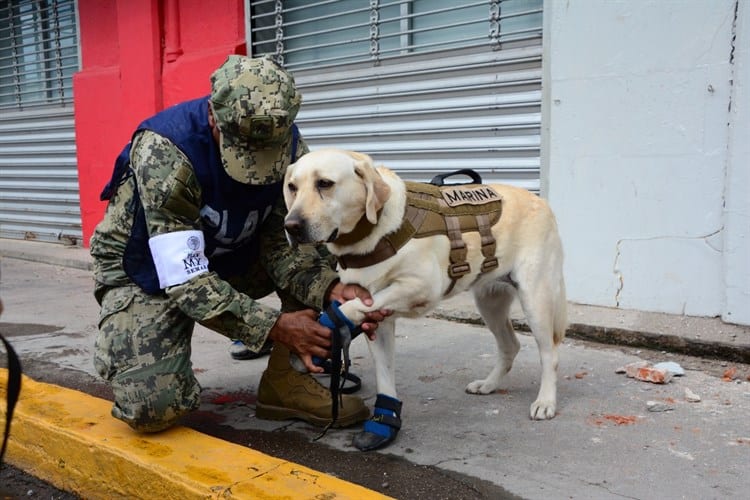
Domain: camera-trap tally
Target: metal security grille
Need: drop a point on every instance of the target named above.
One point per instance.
(38, 176)
(303, 34)
(38, 52)
(423, 86)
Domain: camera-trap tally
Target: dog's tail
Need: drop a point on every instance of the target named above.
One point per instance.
(561, 313)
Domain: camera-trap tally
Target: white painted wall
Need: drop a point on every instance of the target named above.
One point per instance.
(638, 155)
(737, 210)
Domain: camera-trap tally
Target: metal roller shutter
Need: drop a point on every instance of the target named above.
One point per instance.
(38, 176)
(39, 197)
(459, 99)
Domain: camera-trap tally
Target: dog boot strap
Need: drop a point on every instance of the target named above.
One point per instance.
(382, 422)
(387, 412)
(389, 403)
(334, 319)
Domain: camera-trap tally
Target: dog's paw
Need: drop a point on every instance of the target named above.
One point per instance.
(480, 387)
(382, 428)
(542, 410)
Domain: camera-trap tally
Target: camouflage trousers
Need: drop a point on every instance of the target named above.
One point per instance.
(143, 349)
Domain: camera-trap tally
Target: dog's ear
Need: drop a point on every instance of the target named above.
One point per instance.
(377, 190)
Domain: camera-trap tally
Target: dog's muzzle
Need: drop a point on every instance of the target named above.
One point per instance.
(298, 231)
(295, 228)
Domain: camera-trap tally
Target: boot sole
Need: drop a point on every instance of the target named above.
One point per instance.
(270, 412)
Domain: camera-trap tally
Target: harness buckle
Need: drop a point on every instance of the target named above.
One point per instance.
(489, 264)
(458, 269)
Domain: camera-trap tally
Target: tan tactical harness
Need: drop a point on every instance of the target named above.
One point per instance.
(431, 210)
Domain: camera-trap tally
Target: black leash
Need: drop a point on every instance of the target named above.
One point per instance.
(340, 362)
(14, 389)
(356, 381)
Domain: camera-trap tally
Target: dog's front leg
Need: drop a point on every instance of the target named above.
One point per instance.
(408, 295)
(385, 423)
(383, 350)
(355, 310)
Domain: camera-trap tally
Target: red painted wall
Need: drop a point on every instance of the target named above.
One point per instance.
(137, 57)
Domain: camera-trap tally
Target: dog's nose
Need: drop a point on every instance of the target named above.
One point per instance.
(294, 226)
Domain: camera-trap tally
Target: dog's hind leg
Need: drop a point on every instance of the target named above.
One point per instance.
(544, 315)
(493, 301)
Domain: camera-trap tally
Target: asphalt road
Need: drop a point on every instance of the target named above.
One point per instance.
(604, 442)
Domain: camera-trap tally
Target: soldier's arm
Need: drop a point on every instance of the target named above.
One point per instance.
(171, 198)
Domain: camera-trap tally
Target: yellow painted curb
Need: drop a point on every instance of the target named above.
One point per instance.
(69, 439)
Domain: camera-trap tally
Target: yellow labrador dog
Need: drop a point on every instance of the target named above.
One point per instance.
(340, 198)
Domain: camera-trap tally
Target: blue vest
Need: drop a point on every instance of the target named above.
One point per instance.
(231, 211)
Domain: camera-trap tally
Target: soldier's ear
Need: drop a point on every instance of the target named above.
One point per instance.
(212, 124)
(211, 119)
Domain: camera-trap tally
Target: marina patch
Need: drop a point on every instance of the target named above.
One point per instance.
(469, 195)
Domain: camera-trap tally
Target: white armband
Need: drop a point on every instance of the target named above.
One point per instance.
(178, 256)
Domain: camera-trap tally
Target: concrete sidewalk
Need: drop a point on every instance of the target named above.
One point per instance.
(580, 455)
(695, 336)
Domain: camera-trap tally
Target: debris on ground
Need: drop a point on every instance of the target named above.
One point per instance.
(643, 370)
(600, 420)
(691, 397)
(671, 366)
(637, 364)
(729, 374)
(658, 406)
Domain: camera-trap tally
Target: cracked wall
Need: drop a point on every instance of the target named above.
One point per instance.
(638, 160)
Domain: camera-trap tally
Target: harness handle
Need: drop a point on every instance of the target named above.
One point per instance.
(439, 180)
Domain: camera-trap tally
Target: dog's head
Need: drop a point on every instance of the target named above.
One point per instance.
(327, 192)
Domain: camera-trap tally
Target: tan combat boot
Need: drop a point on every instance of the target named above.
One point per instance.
(285, 393)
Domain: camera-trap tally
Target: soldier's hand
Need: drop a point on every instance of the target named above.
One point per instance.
(343, 293)
(304, 336)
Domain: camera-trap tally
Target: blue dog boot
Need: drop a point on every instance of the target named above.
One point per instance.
(383, 426)
(343, 331)
(326, 320)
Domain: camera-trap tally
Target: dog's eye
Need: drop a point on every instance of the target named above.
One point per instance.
(324, 184)
(291, 187)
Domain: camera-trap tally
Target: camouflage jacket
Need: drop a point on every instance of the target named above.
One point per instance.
(171, 196)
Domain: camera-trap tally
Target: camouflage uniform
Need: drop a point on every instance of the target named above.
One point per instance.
(143, 344)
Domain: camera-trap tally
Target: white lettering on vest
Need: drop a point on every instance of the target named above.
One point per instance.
(469, 195)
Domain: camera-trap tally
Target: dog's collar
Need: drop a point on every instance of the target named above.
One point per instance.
(384, 249)
(362, 230)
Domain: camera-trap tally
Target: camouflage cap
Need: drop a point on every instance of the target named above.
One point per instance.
(254, 102)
